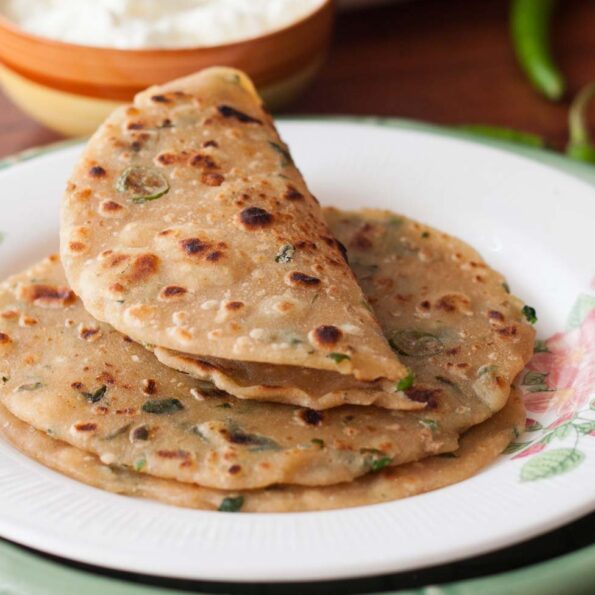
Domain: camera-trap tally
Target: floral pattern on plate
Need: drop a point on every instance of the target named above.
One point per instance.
(558, 387)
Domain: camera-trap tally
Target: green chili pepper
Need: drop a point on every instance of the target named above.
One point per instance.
(580, 145)
(506, 134)
(530, 26)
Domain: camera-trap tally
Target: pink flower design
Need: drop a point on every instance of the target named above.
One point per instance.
(569, 368)
(532, 450)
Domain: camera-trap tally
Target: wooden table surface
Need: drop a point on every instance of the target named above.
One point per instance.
(447, 62)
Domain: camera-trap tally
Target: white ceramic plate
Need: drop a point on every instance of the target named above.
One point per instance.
(533, 223)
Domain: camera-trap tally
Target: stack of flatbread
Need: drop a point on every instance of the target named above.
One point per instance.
(212, 338)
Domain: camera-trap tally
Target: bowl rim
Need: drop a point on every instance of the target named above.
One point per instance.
(13, 29)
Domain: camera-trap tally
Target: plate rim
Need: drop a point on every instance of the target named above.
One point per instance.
(385, 566)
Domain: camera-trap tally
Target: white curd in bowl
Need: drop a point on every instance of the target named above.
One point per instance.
(142, 24)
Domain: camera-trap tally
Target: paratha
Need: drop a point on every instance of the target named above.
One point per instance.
(88, 385)
(449, 316)
(478, 448)
(187, 226)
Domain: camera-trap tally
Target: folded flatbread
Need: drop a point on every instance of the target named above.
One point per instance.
(478, 448)
(450, 318)
(90, 386)
(186, 226)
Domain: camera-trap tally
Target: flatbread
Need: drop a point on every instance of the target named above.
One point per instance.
(449, 316)
(479, 447)
(187, 226)
(90, 386)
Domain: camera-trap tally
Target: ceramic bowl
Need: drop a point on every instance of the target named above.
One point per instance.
(72, 88)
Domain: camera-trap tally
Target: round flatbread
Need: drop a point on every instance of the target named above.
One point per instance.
(86, 384)
(478, 448)
(187, 226)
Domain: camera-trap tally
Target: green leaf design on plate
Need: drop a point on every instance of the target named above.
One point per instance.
(583, 305)
(533, 426)
(533, 378)
(515, 447)
(563, 431)
(551, 463)
(586, 428)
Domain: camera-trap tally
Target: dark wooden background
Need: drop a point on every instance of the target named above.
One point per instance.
(442, 61)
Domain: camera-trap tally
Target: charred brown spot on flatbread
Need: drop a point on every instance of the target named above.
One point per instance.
(310, 417)
(495, 317)
(89, 333)
(172, 292)
(210, 144)
(110, 208)
(420, 394)
(167, 158)
(111, 260)
(105, 378)
(77, 247)
(231, 112)
(160, 99)
(47, 296)
(195, 246)
(203, 161)
(139, 434)
(362, 238)
(234, 306)
(5, 343)
(143, 267)
(327, 335)
(253, 218)
(85, 427)
(507, 332)
(454, 302)
(293, 194)
(214, 256)
(149, 386)
(212, 179)
(297, 279)
(97, 171)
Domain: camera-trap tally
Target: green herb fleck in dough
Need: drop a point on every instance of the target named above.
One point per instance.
(425, 234)
(286, 158)
(140, 464)
(406, 382)
(431, 424)
(338, 357)
(143, 184)
(530, 314)
(318, 442)
(448, 455)
(381, 463)
(96, 396)
(415, 343)
(506, 287)
(224, 406)
(5, 379)
(160, 406)
(231, 504)
(29, 387)
(285, 254)
(540, 346)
